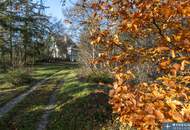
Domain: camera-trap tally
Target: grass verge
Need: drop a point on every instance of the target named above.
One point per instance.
(39, 72)
(26, 115)
(80, 106)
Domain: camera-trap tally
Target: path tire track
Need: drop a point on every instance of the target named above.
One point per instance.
(12, 103)
(49, 109)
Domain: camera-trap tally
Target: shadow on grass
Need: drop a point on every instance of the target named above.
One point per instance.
(88, 112)
(56, 66)
(26, 114)
(80, 106)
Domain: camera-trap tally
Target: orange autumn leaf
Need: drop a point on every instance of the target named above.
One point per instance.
(165, 64)
(176, 116)
(159, 115)
(147, 47)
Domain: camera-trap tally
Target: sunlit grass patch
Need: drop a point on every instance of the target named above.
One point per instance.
(26, 114)
(38, 72)
(42, 71)
(7, 94)
(81, 105)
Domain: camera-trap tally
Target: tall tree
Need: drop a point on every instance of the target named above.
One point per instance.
(24, 29)
(150, 33)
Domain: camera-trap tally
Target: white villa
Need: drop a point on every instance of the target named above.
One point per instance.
(64, 48)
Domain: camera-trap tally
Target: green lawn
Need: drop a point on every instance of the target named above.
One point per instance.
(42, 71)
(39, 72)
(27, 114)
(80, 105)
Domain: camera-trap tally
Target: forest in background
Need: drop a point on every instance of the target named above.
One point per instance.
(27, 34)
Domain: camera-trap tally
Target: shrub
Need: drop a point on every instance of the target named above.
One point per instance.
(18, 77)
(160, 94)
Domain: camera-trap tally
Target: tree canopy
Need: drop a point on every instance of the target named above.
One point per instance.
(147, 46)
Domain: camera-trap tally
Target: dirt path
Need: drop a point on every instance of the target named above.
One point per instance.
(50, 108)
(12, 103)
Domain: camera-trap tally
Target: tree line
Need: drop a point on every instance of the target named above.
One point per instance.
(26, 32)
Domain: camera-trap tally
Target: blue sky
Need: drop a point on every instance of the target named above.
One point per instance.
(55, 8)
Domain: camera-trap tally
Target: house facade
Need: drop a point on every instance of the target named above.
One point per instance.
(64, 48)
(73, 53)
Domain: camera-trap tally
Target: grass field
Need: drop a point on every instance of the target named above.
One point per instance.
(39, 72)
(80, 105)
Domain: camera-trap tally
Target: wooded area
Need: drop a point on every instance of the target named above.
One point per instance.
(148, 45)
(26, 33)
